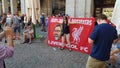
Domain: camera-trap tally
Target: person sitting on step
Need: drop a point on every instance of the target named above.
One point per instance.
(28, 34)
(115, 54)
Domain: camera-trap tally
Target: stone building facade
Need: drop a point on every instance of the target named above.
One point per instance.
(74, 8)
(8, 5)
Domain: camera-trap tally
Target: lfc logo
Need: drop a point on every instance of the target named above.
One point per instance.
(76, 34)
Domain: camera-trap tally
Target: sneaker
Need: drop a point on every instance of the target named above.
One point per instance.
(45, 31)
(30, 42)
(5, 41)
(61, 48)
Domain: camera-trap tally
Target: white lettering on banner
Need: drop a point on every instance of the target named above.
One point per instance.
(85, 49)
(72, 46)
(54, 20)
(60, 21)
(72, 21)
(54, 43)
(79, 21)
(60, 44)
(76, 34)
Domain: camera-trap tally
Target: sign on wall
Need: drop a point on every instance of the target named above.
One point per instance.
(108, 12)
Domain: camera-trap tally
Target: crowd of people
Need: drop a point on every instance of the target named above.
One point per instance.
(103, 36)
(17, 23)
(10, 29)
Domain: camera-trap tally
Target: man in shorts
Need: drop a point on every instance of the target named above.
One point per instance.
(101, 39)
(16, 26)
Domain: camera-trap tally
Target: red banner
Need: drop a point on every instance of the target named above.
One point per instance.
(80, 29)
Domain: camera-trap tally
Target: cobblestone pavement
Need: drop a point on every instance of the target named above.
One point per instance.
(40, 55)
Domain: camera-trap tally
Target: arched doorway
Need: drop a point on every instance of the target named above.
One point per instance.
(104, 6)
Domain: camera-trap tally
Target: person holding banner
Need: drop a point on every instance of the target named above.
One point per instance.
(65, 33)
(101, 39)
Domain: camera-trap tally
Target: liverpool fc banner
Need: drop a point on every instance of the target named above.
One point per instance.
(80, 29)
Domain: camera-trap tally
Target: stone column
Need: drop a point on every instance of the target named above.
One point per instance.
(4, 6)
(79, 8)
(23, 11)
(70, 8)
(13, 4)
(49, 8)
(89, 8)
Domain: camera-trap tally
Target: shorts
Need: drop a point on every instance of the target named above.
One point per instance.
(94, 63)
(15, 29)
